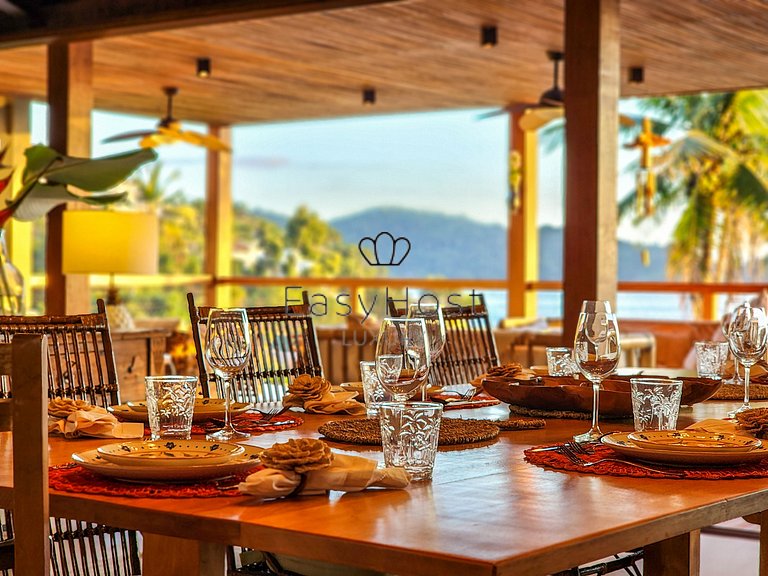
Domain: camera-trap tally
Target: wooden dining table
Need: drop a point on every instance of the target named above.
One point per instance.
(486, 512)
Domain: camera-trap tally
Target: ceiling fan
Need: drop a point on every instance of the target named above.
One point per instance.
(169, 131)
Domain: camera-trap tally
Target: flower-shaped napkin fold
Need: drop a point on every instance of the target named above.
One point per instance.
(314, 394)
(75, 418)
(307, 466)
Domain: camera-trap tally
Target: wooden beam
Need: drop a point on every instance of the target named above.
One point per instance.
(70, 100)
(677, 556)
(522, 228)
(592, 39)
(219, 218)
(93, 19)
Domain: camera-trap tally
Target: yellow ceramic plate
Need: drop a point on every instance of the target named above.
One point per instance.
(205, 408)
(92, 460)
(172, 453)
(621, 443)
(690, 441)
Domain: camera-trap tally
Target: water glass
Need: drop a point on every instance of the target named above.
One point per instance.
(560, 362)
(373, 392)
(710, 359)
(170, 404)
(655, 403)
(409, 434)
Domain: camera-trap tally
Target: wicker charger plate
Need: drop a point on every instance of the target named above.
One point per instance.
(570, 414)
(516, 423)
(366, 431)
(736, 392)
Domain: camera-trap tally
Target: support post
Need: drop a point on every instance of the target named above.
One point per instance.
(219, 218)
(592, 43)
(70, 101)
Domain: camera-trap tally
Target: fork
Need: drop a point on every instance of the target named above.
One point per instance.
(568, 452)
(268, 415)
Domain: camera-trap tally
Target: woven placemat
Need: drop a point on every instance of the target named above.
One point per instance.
(736, 392)
(536, 413)
(516, 423)
(366, 431)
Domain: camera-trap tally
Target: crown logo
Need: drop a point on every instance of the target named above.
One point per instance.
(384, 250)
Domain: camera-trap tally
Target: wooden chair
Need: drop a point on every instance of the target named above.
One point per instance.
(25, 360)
(470, 349)
(82, 367)
(284, 346)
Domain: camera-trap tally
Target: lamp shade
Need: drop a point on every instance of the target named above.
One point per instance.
(109, 242)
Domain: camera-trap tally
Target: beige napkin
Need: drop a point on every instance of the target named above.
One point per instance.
(714, 426)
(96, 422)
(315, 395)
(345, 473)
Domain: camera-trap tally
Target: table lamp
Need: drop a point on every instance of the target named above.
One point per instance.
(110, 242)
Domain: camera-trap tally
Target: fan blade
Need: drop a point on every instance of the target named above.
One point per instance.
(535, 118)
(492, 114)
(128, 136)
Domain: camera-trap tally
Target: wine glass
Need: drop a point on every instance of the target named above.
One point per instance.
(433, 319)
(227, 350)
(747, 338)
(402, 356)
(730, 306)
(596, 350)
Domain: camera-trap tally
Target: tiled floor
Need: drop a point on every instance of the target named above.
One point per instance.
(728, 555)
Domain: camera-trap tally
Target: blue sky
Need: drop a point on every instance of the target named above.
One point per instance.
(449, 162)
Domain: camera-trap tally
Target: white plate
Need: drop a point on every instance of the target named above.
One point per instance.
(205, 408)
(91, 460)
(621, 443)
(169, 453)
(693, 441)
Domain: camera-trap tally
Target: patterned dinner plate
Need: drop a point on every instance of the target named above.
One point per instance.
(169, 453)
(205, 409)
(93, 461)
(621, 443)
(692, 441)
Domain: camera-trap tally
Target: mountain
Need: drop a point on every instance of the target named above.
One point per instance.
(458, 247)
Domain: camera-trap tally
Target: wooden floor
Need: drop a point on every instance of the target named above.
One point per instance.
(728, 555)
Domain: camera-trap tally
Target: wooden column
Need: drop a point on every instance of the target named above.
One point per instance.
(70, 101)
(14, 133)
(218, 218)
(522, 230)
(591, 132)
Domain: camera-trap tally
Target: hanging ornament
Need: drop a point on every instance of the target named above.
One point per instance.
(515, 180)
(646, 176)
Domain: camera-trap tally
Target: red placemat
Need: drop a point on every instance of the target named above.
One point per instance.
(247, 422)
(73, 478)
(450, 402)
(556, 460)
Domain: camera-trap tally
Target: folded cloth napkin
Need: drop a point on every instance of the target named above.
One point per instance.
(314, 394)
(327, 471)
(91, 421)
(714, 426)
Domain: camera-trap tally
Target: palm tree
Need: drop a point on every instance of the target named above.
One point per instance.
(714, 174)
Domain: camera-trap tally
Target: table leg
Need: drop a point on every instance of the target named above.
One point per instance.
(164, 555)
(763, 517)
(678, 556)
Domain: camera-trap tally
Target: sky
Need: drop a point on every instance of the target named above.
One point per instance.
(451, 162)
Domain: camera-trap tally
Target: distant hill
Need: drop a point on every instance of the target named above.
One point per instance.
(458, 247)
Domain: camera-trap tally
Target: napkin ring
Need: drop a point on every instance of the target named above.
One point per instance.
(300, 486)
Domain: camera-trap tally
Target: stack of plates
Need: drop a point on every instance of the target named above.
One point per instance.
(177, 460)
(205, 408)
(685, 447)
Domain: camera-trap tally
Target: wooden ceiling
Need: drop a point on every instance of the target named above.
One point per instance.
(417, 54)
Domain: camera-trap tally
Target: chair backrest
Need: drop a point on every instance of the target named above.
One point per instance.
(82, 363)
(470, 349)
(25, 361)
(284, 346)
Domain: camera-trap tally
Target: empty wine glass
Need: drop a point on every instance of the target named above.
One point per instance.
(227, 350)
(433, 319)
(596, 350)
(747, 338)
(730, 306)
(402, 356)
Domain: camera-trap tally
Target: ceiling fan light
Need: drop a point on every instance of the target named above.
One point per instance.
(203, 67)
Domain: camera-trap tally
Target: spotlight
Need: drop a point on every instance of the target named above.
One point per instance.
(369, 96)
(203, 67)
(636, 75)
(489, 36)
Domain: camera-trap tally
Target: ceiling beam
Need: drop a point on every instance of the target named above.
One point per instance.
(94, 19)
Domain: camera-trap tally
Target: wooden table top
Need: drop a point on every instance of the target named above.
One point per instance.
(487, 511)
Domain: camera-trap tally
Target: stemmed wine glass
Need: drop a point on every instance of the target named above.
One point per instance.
(596, 350)
(227, 350)
(433, 319)
(731, 305)
(402, 356)
(747, 338)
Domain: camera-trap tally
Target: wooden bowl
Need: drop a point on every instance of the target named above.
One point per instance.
(566, 393)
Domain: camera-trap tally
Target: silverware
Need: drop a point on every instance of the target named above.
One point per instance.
(268, 415)
(573, 457)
